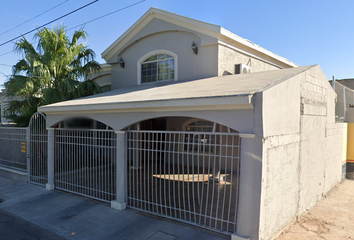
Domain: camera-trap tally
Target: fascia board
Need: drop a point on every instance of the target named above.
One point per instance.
(211, 103)
(192, 24)
(124, 38)
(250, 44)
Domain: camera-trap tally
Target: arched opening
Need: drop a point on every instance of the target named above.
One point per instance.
(81, 123)
(184, 168)
(85, 156)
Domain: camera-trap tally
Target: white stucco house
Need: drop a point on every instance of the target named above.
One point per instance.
(212, 129)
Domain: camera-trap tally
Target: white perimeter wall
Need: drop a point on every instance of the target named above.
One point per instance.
(302, 159)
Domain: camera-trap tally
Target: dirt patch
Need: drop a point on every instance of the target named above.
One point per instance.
(330, 219)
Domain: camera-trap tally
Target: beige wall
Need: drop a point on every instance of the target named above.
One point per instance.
(103, 80)
(300, 163)
(229, 57)
(213, 59)
(238, 120)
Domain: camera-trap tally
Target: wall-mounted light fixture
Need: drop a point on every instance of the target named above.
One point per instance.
(121, 62)
(194, 48)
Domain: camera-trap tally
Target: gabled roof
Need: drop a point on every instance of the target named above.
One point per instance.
(232, 92)
(221, 34)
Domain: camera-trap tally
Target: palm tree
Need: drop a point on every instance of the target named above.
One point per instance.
(50, 73)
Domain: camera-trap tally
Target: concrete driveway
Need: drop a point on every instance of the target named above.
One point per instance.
(75, 217)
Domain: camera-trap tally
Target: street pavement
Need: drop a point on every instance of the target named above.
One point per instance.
(13, 228)
(41, 214)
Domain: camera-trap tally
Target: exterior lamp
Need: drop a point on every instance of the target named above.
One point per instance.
(194, 48)
(121, 62)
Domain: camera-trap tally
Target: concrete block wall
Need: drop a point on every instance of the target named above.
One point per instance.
(299, 168)
(229, 57)
(279, 182)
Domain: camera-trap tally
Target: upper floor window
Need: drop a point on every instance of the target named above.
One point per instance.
(156, 66)
(160, 67)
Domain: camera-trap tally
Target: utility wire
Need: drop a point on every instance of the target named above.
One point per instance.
(49, 22)
(107, 14)
(6, 65)
(92, 20)
(33, 17)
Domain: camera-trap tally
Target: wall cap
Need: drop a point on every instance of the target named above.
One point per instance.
(247, 135)
(120, 132)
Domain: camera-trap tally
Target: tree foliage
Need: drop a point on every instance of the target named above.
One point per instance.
(50, 73)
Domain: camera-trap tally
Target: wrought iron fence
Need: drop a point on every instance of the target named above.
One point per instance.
(13, 148)
(188, 176)
(85, 162)
(38, 149)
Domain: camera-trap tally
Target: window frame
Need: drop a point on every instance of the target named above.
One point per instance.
(152, 53)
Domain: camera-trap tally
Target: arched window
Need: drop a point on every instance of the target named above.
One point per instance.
(160, 67)
(156, 66)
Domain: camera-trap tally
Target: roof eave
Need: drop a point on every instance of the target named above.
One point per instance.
(193, 104)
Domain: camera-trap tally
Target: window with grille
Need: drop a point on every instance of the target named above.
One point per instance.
(160, 67)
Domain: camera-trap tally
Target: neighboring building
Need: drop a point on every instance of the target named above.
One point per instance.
(3, 100)
(103, 78)
(259, 128)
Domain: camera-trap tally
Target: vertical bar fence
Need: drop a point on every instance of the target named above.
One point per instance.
(84, 162)
(37, 149)
(192, 177)
(13, 148)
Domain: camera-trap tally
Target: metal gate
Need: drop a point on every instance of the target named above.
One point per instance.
(37, 150)
(85, 161)
(187, 176)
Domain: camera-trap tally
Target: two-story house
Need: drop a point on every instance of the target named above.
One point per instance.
(211, 129)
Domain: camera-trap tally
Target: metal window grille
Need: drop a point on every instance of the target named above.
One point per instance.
(85, 162)
(38, 149)
(194, 181)
(13, 148)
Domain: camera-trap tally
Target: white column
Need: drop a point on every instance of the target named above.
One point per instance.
(120, 202)
(28, 152)
(249, 190)
(50, 184)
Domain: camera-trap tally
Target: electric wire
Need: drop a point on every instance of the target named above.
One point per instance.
(92, 20)
(33, 18)
(49, 22)
(107, 14)
(6, 65)
(95, 19)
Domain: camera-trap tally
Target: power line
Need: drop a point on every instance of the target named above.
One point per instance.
(33, 17)
(49, 22)
(107, 14)
(6, 65)
(5, 53)
(94, 19)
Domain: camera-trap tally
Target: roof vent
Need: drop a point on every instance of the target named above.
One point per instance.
(242, 68)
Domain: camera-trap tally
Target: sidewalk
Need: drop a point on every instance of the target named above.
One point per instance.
(75, 217)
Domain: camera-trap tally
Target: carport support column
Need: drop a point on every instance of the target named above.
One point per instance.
(249, 188)
(120, 203)
(50, 184)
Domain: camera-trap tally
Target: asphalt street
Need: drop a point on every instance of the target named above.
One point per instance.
(15, 228)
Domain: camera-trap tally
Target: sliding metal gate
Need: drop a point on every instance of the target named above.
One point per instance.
(85, 162)
(37, 149)
(188, 176)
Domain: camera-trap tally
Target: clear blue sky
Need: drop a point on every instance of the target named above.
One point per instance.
(305, 32)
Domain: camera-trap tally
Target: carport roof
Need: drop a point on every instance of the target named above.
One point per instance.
(226, 92)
